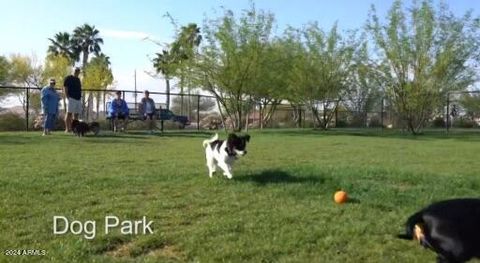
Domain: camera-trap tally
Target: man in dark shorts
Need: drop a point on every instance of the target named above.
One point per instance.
(73, 93)
(147, 109)
(118, 110)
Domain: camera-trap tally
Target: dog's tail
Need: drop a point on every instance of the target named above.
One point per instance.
(207, 142)
(412, 221)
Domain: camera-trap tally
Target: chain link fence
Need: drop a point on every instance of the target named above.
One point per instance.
(20, 110)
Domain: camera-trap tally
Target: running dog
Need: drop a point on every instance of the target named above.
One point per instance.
(223, 153)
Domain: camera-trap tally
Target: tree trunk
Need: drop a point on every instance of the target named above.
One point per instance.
(181, 96)
(222, 117)
(260, 115)
(267, 116)
(84, 60)
(98, 98)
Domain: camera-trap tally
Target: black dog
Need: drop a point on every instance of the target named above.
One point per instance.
(451, 228)
(80, 128)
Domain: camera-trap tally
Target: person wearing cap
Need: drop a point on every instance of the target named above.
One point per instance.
(49, 98)
(73, 92)
(118, 110)
(147, 109)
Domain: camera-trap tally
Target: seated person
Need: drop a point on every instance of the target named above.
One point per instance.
(118, 111)
(147, 110)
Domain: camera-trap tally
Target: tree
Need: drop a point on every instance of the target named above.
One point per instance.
(321, 71)
(86, 40)
(57, 66)
(4, 66)
(4, 76)
(25, 71)
(175, 60)
(98, 77)
(272, 82)
(63, 45)
(365, 92)
(164, 64)
(206, 104)
(471, 103)
(184, 49)
(228, 65)
(423, 54)
(186, 42)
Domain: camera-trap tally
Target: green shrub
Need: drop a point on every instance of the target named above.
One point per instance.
(375, 122)
(341, 124)
(10, 121)
(357, 121)
(464, 123)
(438, 122)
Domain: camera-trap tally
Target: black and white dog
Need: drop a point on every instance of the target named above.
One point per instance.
(223, 153)
(79, 128)
(451, 228)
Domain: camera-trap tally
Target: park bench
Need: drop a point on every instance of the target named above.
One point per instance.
(161, 115)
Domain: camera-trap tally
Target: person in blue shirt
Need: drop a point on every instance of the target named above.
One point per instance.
(50, 98)
(118, 110)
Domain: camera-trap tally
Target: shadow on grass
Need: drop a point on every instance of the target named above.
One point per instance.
(353, 200)
(279, 177)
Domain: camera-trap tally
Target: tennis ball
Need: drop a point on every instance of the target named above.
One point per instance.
(340, 197)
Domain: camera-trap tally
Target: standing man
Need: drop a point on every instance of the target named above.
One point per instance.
(73, 92)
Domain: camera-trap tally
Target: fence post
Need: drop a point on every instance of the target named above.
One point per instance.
(448, 112)
(381, 113)
(104, 102)
(336, 116)
(304, 116)
(27, 100)
(198, 112)
(300, 122)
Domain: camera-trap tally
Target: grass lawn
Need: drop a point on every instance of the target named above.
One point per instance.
(277, 208)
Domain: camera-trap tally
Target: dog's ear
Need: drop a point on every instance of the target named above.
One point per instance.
(231, 143)
(247, 138)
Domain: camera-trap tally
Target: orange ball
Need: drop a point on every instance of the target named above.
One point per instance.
(340, 197)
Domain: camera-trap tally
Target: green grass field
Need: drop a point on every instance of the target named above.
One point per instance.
(277, 208)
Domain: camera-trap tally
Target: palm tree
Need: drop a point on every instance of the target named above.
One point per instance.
(188, 39)
(163, 63)
(104, 58)
(183, 49)
(63, 45)
(86, 38)
(99, 77)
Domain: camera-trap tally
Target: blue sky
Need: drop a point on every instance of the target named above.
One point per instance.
(26, 25)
